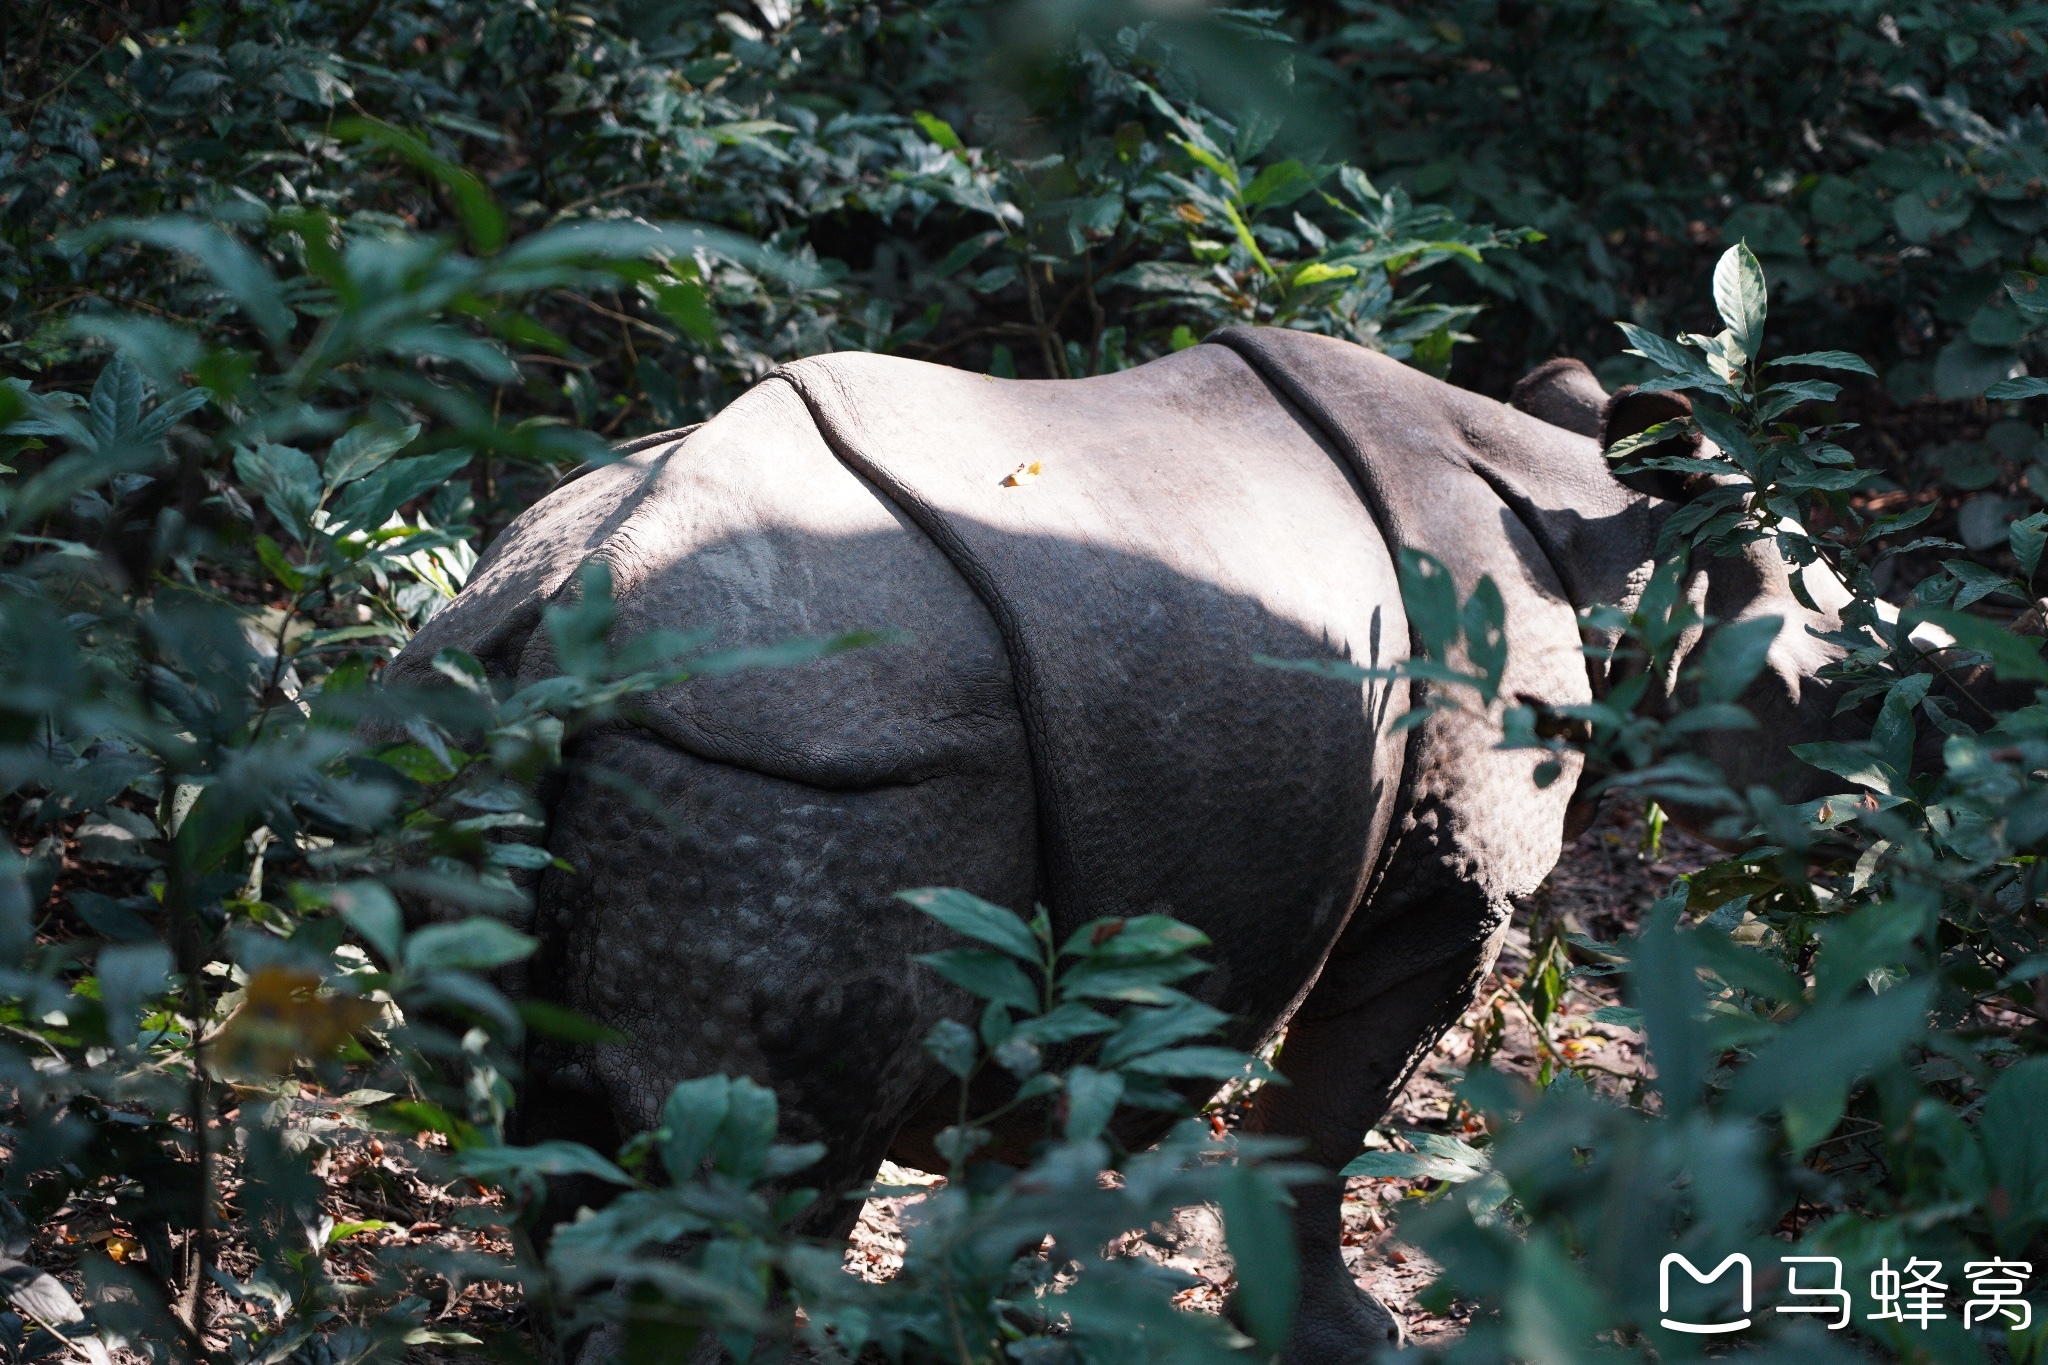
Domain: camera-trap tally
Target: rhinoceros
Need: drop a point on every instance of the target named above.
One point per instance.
(1084, 576)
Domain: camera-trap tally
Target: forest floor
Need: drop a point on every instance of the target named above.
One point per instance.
(380, 1197)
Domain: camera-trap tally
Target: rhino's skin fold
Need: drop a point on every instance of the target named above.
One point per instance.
(1073, 715)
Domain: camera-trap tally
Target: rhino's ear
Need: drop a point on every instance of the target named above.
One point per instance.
(1631, 412)
(1564, 393)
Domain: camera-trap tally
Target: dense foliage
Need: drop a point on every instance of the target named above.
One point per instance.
(300, 303)
(303, 303)
(1844, 1016)
(1887, 163)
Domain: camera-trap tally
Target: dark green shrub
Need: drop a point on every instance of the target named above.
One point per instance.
(1888, 164)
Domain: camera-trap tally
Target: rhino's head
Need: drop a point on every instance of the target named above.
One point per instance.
(1792, 704)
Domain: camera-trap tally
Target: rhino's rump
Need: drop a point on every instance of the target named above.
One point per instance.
(1181, 524)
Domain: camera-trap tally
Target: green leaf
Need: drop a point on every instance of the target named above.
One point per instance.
(1874, 937)
(1092, 1098)
(1145, 1030)
(939, 131)
(553, 1021)
(1853, 762)
(2018, 388)
(1484, 625)
(1440, 1158)
(955, 1046)
(1063, 1024)
(483, 222)
(1139, 937)
(991, 976)
(286, 572)
(1902, 521)
(685, 304)
(287, 480)
(690, 1119)
(1827, 360)
(1666, 355)
(363, 449)
(1978, 582)
(371, 500)
(234, 267)
(1828, 1050)
(977, 919)
(1741, 298)
(2016, 1150)
(1396, 1166)
(1144, 984)
(1723, 431)
(130, 975)
(543, 1158)
(373, 912)
(1283, 182)
(1800, 391)
(1734, 655)
(477, 944)
(2024, 288)
(341, 1232)
(1430, 595)
(2026, 538)
(1260, 1233)
(1746, 968)
(1217, 1063)
(1315, 272)
(1667, 990)
(743, 1143)
(609, 240)
(1892, 736)
(1359, 186)
(1205, 157)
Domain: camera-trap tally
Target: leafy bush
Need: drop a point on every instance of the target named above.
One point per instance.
(1886, 163)
(277, 371)
(201, 735)
(299, 304)
(1843, 1016)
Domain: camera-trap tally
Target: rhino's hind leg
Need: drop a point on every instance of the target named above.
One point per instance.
(730, 921)
(1384, 998)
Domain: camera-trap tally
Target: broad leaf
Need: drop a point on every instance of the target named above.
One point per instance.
(991, 976)
(2018, 388)
(1827, 360)
(477, 944)
(1741, 297)
(977, 919)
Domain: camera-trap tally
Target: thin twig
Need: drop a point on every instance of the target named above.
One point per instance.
(598, 198)
(624, 318)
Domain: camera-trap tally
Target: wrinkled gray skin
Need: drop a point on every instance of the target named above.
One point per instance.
(1072, 716)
